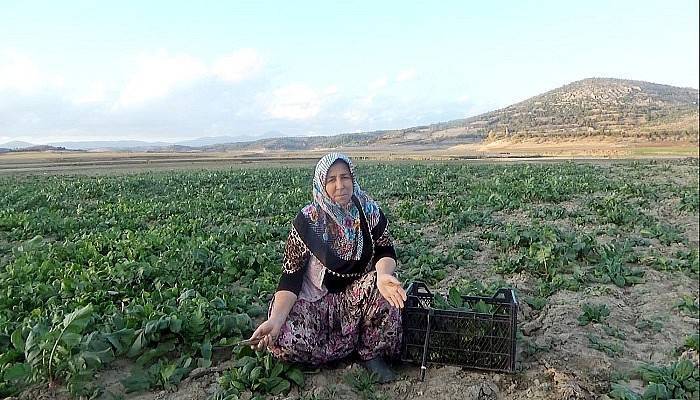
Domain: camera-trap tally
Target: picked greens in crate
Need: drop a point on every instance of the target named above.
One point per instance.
(479, 334)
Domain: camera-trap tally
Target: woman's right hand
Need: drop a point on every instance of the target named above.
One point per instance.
(266, 333)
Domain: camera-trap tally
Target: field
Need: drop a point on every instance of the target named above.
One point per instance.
(140, 285)
(110, 162)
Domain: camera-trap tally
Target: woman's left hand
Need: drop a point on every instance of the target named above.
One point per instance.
(391, 289)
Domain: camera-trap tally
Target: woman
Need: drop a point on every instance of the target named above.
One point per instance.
(337, 294)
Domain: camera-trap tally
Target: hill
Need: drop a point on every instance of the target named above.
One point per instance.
(17, 144)
(610, 107)
(582, 109)
(42, 147)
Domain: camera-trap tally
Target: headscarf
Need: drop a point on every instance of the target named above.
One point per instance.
(338, 227)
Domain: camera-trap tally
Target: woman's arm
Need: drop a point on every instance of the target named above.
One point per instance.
(282, 305)
(294, 264)
(387, 284)
(385, 265)
(269, 330)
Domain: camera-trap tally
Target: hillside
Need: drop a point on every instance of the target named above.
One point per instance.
(582, 109)
(16, 144)
(41, 147)
(590, 107)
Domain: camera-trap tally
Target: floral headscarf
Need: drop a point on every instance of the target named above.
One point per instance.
(339, 227)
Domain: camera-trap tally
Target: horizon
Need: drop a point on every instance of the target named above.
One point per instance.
(251, 138)
(86, 72)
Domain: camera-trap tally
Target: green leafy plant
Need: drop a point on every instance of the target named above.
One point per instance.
(593, 313)
(666, 234)
(62, 352)
(692, 342)
(363, 384)
(536, 302)
(622, 392)
(614, 332)
(616, 210)
(652, 325)
(260, 373)
(328, 393)
(688, 305)
(690, 200)
(612, 267)
(542, 250)
(165, 374)
(474, 287)
(455, 301)
(612, 349)
(680, 380)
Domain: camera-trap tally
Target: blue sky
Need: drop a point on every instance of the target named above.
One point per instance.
(171, 70)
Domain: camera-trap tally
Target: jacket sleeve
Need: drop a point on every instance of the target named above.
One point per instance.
(383, 242)
(295, 261)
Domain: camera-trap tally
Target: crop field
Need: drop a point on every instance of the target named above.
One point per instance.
(141, 285)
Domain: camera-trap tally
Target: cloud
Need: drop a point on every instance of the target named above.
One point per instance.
(238, 66)
(158, 75)
(95, 92)
(377, 84)
(406, 75)
(174, 96)
(18, 72)
(330, 90)
(294, 102)
(162, 73)
(356, 115)
(360, 108)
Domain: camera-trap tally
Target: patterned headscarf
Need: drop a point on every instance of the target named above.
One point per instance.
(339, 226)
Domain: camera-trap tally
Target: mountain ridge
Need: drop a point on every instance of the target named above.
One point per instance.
(611, 107)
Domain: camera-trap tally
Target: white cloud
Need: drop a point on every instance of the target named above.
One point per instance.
(377, 84)
(158, 75)
(295, 102)
(356, 115)
(175, 95)
(330, 90)
(238, 66)
(95, 92)
(359, 109)
(19, 73)
(405, 75)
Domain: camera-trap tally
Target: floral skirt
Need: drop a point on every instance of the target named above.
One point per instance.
(357, 319)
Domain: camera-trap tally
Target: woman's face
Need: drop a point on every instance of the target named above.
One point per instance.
(339, 183)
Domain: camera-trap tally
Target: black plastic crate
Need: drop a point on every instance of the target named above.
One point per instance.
(480, 340)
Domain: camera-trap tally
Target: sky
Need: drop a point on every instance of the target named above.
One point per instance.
(178, 70)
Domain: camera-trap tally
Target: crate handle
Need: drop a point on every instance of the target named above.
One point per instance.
(418, 287)
(506, 294)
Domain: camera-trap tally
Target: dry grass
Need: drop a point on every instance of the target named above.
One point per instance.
(604, 147)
